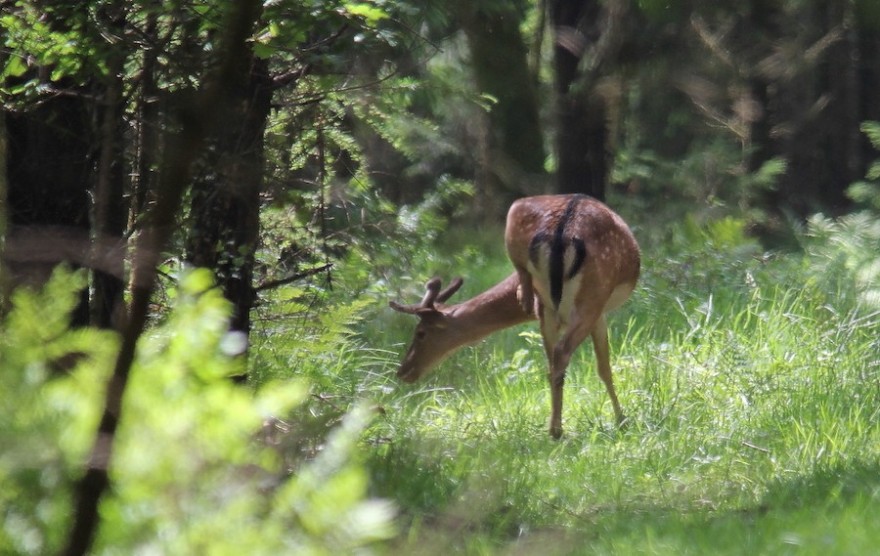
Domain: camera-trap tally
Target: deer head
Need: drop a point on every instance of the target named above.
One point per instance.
(444, 329)
(436, 335)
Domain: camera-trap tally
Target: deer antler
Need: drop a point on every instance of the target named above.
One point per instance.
(450, 290)
(432, 295)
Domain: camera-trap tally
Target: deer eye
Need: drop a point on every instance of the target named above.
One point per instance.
(420, 334)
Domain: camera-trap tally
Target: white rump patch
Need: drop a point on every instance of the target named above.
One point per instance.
(570, 289)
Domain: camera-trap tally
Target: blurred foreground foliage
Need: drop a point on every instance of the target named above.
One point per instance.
(199, 467)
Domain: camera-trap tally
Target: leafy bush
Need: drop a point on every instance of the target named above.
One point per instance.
(845, 252)
(867, 192)
(201, 465)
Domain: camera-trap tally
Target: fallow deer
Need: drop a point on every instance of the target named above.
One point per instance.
(575, 260)
(580, 260)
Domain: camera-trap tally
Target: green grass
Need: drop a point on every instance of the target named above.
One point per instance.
(753, 395)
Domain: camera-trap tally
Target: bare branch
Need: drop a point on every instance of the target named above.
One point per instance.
(293, 278)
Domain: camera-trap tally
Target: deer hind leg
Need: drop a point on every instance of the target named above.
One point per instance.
(600, 345)
(560, 347)
(558, 366)
(560, 341)
(551, 332)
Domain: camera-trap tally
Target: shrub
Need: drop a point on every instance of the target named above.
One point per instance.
(200, 464)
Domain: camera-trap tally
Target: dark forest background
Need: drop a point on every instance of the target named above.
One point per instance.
(337, 110)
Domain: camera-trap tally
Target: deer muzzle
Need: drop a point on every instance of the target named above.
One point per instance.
(408, 372)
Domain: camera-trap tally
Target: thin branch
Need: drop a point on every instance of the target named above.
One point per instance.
(284, 79)
(755, 447)
(314, 98)
(293, 278)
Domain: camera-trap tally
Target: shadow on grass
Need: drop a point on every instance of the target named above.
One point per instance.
(830, 511)
(840, 484)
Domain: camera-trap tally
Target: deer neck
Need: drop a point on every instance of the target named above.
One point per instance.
(494, 309)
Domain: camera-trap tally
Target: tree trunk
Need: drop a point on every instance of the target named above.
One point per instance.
(583, 140)
(811, 117)
(765, 24)
(184, 146)
(148, 126)
(226, 197)
(5, 284)
(840, 143)
(513, 150)
(582, 145)
(109, 214)
(867, 23)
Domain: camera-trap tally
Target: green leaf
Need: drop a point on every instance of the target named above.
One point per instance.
(369, 12)
(872, 130)
(866, 193)
(767, 174)
(263, 51)
(15, 67)
(197, 280)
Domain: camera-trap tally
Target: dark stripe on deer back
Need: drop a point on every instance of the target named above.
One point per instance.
(558, 244)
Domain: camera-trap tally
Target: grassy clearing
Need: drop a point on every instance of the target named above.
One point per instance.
(762, 439)
(753, 394)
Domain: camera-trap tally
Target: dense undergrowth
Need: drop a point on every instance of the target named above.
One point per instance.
(751, 380)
